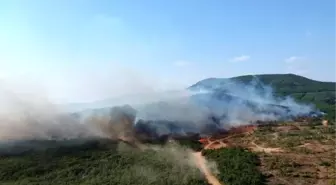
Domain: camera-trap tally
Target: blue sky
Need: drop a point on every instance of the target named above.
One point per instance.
(82, 50)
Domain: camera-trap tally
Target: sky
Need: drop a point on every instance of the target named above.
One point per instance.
(86, 50)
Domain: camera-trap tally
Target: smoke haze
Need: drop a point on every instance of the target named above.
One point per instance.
(27, 113)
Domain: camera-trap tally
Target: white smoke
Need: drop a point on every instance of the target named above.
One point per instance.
(26, 114)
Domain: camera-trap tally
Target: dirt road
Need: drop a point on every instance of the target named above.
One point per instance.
(258, 148)
(201, 163)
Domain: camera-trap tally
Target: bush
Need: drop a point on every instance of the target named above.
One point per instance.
(237, 166)
(192, 144)
(92, 163)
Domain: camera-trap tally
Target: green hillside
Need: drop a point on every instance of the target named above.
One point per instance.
(288, 84)
(96, 162)
(303, 89)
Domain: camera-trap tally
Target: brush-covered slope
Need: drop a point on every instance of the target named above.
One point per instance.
(321, 94)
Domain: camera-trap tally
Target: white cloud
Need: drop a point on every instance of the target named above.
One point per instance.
(299, 70)
(240, 58)
(295, 65)
(293, 59)
(181, 63)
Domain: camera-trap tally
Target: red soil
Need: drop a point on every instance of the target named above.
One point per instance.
(232, 131)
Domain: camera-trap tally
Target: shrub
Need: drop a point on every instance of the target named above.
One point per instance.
(237, 166)
(90, 163)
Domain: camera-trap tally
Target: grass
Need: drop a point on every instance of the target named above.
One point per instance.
(309, 155)
(285, 166)
(295, 138)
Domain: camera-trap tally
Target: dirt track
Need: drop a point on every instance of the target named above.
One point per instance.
(258, 148)
(201, 163)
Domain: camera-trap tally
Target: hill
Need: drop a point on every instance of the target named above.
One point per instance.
(321, 94)
(286, 153)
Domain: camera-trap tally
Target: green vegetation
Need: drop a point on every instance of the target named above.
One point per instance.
(325, 163)
(192, 144)
(96, 163)
(105, 162)
(237, 166)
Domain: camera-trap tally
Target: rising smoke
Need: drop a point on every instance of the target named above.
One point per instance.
(242, 103)
(229, 103)
(198, 109)
(29, 115)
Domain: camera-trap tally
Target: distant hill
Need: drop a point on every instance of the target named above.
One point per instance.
(303, 89)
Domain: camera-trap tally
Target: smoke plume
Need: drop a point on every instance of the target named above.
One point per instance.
(242, 103)
(203, 108)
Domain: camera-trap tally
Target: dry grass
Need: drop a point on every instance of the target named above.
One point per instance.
(292, 153)
(308, 157)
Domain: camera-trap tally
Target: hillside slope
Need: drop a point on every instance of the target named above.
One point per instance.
(303, 89)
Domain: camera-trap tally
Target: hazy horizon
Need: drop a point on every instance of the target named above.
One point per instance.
(82, 51)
